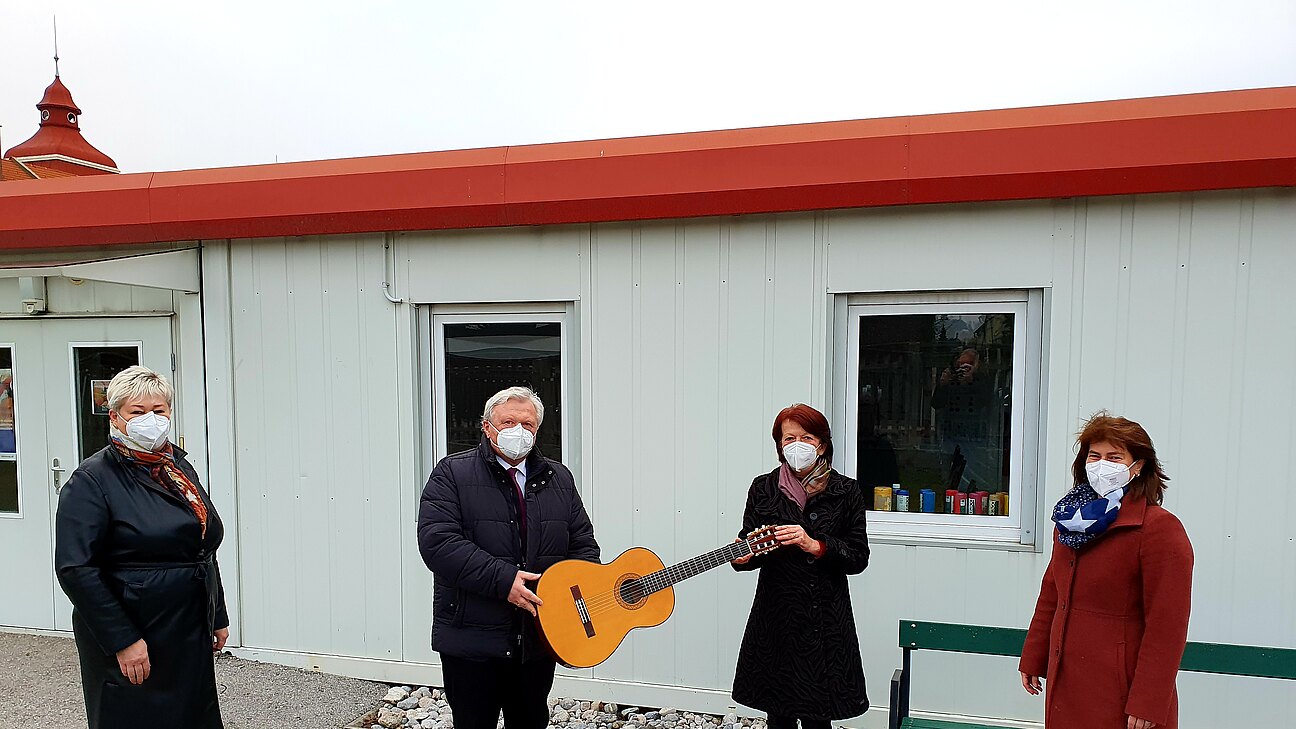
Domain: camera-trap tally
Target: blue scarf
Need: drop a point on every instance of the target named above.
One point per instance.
(1082, 515)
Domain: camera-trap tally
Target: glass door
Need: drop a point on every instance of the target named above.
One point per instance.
(54, 376)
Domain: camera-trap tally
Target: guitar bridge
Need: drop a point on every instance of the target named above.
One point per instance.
(583, 611)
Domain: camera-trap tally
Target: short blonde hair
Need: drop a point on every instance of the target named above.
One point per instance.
(136, 383)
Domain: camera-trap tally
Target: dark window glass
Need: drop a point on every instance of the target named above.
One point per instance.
(482, 359)
(95, 367)
(935, 396)
(8, 436)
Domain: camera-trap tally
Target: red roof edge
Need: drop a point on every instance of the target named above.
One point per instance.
(1225, 140)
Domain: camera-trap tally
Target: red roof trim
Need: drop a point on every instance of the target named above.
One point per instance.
(1237, 139)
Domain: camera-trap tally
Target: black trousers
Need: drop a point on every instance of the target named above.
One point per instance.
(777, 721)
(478, 690)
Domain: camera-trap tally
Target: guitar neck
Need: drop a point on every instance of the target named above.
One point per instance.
(661, 579)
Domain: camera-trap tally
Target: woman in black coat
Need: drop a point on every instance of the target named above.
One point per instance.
(800, 656)
(135, 551)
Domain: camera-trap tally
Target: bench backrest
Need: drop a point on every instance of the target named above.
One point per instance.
(1233, 660)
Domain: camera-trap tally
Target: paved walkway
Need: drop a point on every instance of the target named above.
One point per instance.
(42, 687)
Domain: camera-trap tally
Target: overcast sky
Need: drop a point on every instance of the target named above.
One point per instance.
(172, 85)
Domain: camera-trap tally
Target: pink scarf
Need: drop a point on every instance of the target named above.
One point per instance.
(799, 490)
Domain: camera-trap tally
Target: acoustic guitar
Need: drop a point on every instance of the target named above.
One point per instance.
(589, 608)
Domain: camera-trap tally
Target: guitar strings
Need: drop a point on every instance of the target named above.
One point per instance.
(602, 602)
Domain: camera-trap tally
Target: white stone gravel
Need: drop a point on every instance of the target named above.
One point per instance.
(426, 708)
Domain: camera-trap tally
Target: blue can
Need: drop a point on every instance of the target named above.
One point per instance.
(928, 497)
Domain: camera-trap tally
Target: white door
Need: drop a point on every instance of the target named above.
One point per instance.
(59, 369)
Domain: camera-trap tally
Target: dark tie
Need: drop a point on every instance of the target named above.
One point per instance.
(518, 490)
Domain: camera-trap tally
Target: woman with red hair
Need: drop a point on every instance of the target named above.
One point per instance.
(800, 657)
(1111, 621)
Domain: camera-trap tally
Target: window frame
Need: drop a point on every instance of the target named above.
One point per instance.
(1018, 528)
(14, 459)
(73, 346)
(432, 357)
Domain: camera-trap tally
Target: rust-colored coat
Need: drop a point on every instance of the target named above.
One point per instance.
(1111, 623)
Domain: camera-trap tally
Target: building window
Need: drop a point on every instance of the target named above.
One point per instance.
(477, 355)
(942, 402)
(8, 435)
(94, 366)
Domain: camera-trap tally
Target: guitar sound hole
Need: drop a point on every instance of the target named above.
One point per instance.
(631, 592)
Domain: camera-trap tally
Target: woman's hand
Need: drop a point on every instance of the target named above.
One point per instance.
(790, 535)
(1031, 684)
(1133, 722)
(744, 559)
(218, 639)
(133, 661)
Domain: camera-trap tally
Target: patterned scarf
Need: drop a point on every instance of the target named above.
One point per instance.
(1082, 515)
(163, 470)
(799, 490)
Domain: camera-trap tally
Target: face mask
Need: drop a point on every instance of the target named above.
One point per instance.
(147, 432)
(1106, 476)
(514, 442)
(800, 455)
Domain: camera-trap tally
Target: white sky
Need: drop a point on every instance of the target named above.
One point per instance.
(173, 85)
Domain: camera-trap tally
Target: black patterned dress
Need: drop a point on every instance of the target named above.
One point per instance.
(800, 655)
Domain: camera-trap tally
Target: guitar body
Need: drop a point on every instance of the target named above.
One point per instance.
(589, 608)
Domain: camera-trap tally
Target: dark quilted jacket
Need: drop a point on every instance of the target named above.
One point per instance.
(468, 536)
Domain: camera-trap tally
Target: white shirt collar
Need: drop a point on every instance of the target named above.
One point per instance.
(521, 467)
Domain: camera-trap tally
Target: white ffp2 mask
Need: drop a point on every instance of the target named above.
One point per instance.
(147, 432)
(1106, 476)
(515, 442)
(800, 455)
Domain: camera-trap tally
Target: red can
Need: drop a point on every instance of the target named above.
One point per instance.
(964, 503)
(952, 502)
(981, 497)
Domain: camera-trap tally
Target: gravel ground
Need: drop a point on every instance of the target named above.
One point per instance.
(42, 687)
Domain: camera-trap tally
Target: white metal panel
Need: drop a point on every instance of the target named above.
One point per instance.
(937, 247)
(318, 456)
(475, 266)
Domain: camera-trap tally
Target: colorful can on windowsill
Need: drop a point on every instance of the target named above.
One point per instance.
(964, 503)
(902, 500)
(981, 498)
(927, 498)
(952, 502)
(882, 498)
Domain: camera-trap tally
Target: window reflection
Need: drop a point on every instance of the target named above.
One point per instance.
(482, 359)
(934, 408)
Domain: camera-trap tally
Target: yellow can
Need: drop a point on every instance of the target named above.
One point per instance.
(882, 498)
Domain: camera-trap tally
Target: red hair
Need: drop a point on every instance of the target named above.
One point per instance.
(1103, 426)
(811, 420)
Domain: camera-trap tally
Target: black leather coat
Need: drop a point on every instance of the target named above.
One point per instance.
(469, 537)
(133, 560)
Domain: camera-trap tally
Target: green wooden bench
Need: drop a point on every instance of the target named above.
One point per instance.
(1232, 660)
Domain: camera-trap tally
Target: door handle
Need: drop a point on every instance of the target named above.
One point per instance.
(58, 474)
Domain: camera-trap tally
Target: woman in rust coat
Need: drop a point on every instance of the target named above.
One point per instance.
(1112, 617)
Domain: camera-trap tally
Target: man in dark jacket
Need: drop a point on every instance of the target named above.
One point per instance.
(490, 520)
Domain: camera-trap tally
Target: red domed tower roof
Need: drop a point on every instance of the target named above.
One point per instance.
(58, 143)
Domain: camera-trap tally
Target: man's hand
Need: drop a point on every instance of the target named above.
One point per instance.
(133, 660)
(520, 596)
(744, 559)
(1133, 722)
(218, 639)
(1031, 684)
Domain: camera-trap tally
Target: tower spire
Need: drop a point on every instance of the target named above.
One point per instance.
(56, 58)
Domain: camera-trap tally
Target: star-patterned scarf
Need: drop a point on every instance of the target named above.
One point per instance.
(163, 470)
(1082, 515)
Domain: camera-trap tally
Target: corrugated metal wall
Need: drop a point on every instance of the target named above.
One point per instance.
(692, 334)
